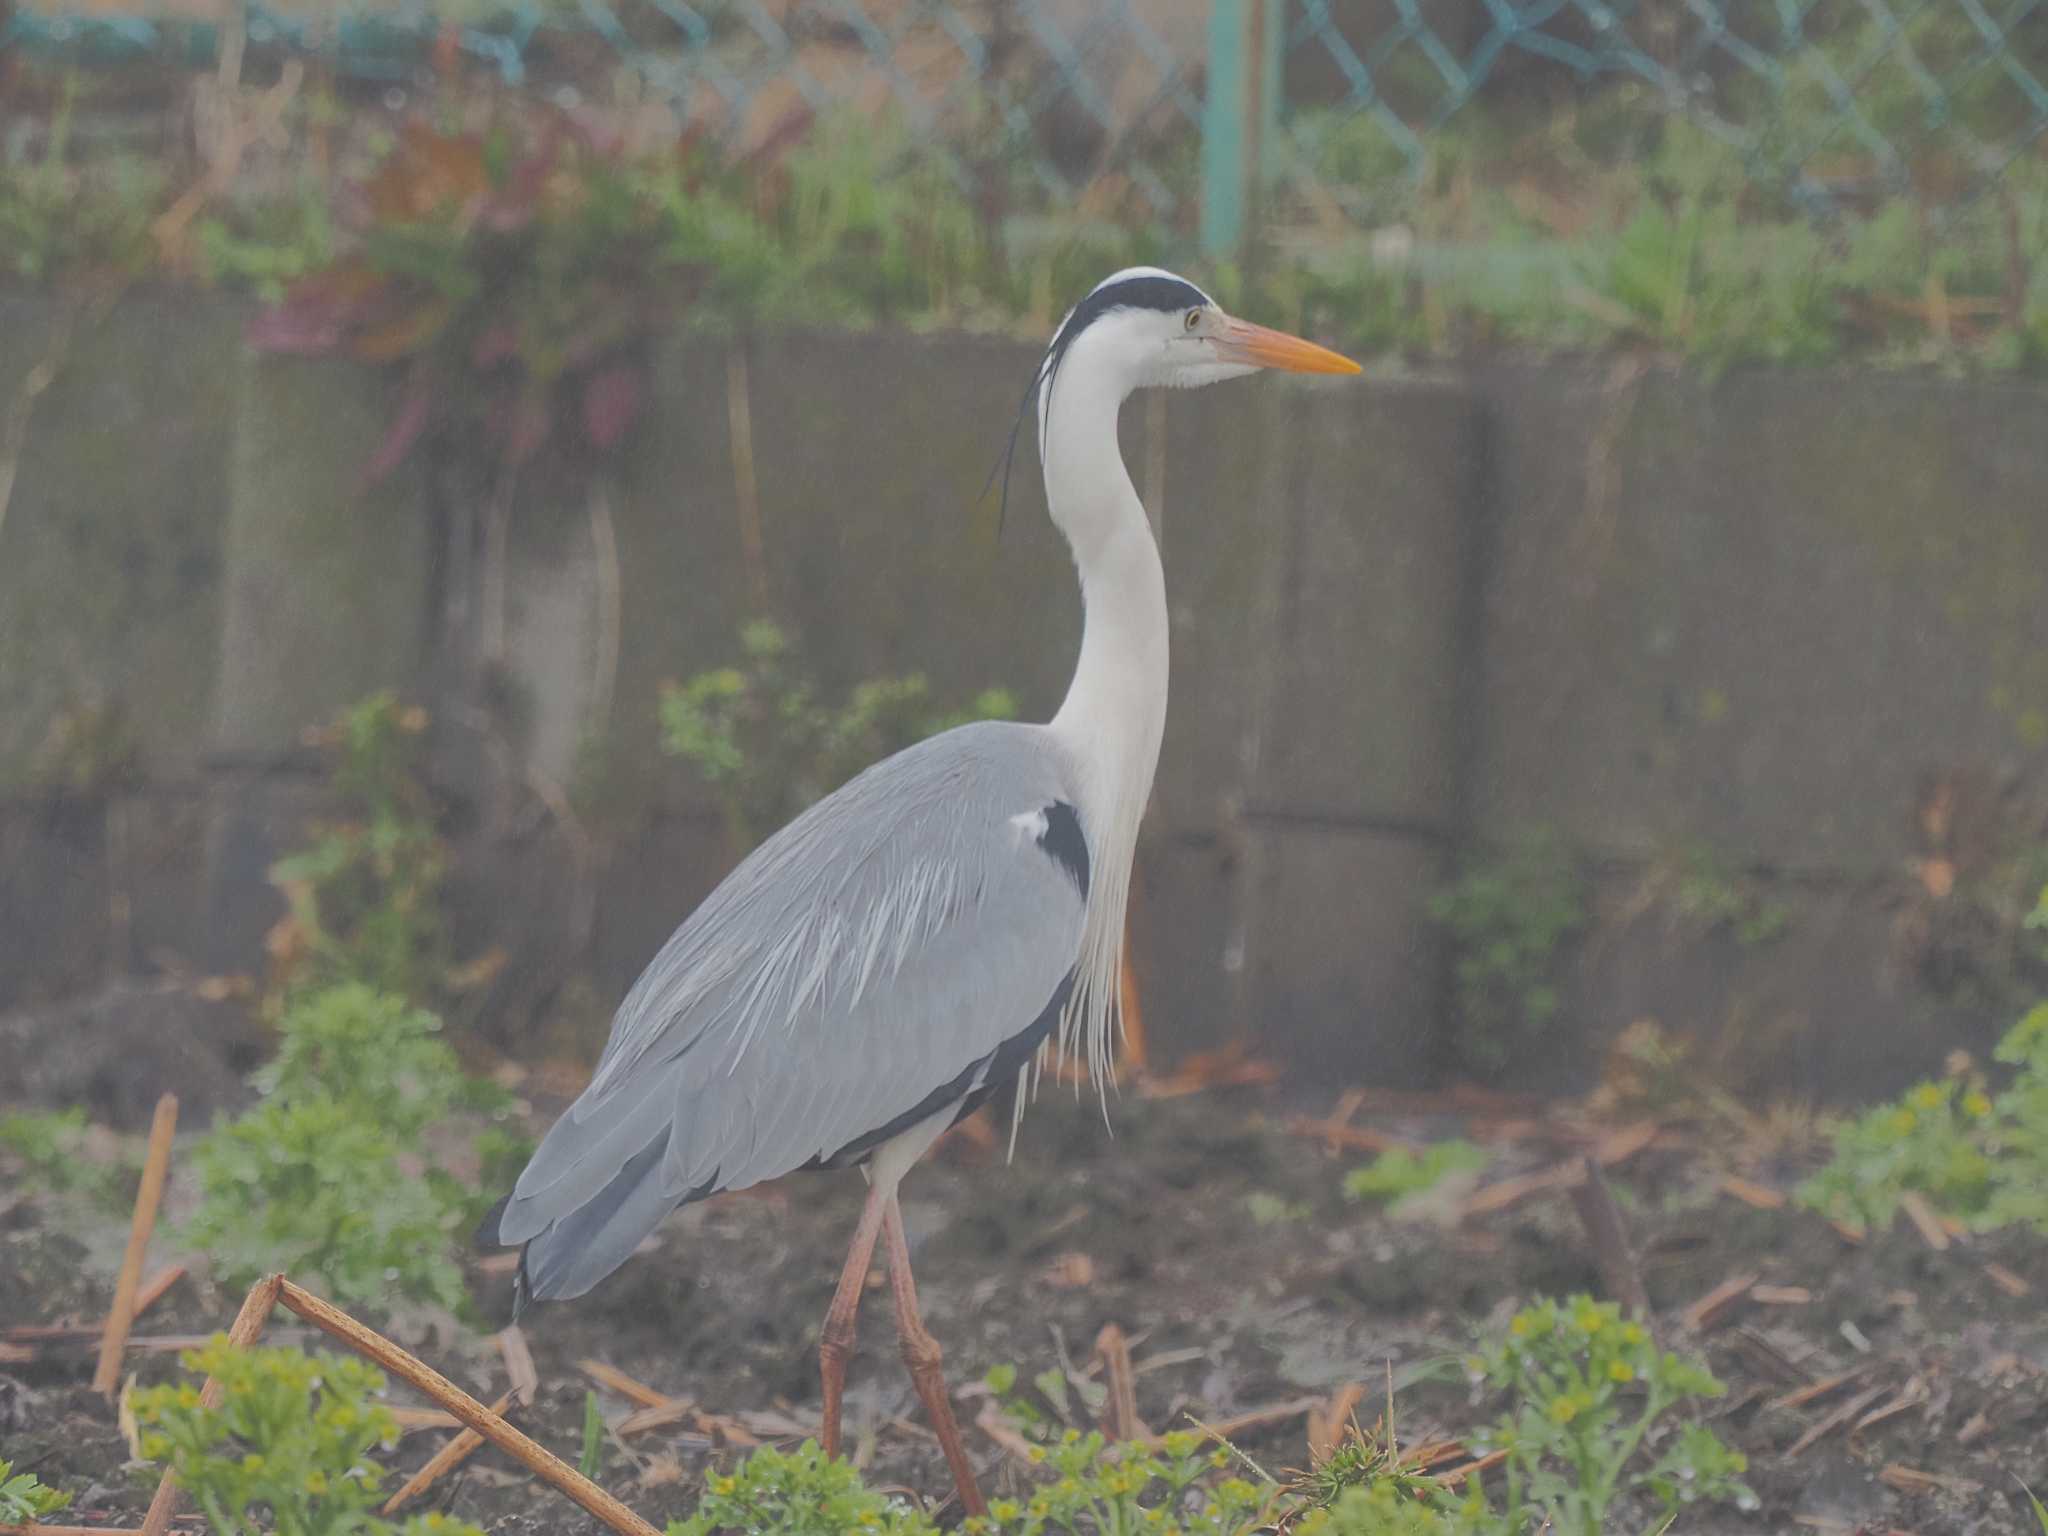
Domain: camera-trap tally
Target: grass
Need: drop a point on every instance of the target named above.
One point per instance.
(1599, 222)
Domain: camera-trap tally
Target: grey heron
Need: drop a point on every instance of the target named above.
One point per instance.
(912, 942)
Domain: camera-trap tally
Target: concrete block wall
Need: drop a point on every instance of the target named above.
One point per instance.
(1752, 613)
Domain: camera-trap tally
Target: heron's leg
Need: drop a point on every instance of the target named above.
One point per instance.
(835, 1344)
(921, 1353)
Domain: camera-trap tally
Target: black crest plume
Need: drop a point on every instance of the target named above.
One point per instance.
(1152, 290)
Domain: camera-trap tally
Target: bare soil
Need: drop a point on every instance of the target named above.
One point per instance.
(1153, 1229)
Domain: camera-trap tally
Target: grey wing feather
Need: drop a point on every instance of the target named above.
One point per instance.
(880, 945)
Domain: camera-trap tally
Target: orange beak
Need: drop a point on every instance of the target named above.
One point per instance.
(1243, 342)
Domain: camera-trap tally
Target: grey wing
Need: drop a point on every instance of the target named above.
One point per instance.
(888, 953)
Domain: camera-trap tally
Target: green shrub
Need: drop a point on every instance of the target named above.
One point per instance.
(365, 899)
(761, 737)
(314, 1190)
(329, 1176)
(1979, 1158)
(291, 1438)
(1509, 921)
(376, 1056)
(51, 1149)
(1397, 1173)
(25, 1498)
(1586, 1387)
(802, 1493)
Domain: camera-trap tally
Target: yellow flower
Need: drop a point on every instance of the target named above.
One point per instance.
(1219, 1458)
(1975, 1104)
(724, 1487)
(1926, 1096)
(316, 1481)
(1564, 1409)
(1621, 1370)
(1520, 1326)
(1903, 1121)
(1632, 1333)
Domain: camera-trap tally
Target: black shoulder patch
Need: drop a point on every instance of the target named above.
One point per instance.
(1063, 840)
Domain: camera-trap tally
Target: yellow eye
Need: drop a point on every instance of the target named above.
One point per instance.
(1194, 318)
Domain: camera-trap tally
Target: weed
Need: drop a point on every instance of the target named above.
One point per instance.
(365, 898)
(1510, 921)
(312, 1189)
(327, 1177)
(801, 1493)
(24, 1498)
(1269, 1210)
(1398, 1173)
(591, 1462)
(292, 1437)
(53, 1151)
(762, 739)
(1978, 1158)
(1587, 1387)
(1709, 896)
(59, 220)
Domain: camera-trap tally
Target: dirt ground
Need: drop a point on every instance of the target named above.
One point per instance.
(1155, 1229)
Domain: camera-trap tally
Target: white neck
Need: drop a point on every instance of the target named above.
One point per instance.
(1115, 710)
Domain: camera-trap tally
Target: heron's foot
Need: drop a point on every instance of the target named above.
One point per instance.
(922, 1354)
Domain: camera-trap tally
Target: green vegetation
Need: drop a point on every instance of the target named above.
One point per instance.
(516, 270)
(328, 1177)
(1510, 920)
(1398, 1173)
(63, 219)
(1976, 1157)
(764, 740)
(798, 1494)
(591, 1462)
(1708, 895)
(1586, 1387)
(365, 898)
(292, 1437)
(24, 1497)
(51, 1152)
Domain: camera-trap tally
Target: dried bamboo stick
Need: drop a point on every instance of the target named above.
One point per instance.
(162, 1127)
(536, 1458)
(244, 1331)
(458, 1449)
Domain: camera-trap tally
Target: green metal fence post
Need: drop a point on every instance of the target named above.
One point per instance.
(1224, 129)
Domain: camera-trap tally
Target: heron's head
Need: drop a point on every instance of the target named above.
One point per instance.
(1144, 327)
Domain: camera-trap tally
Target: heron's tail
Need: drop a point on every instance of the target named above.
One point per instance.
(581, 1246)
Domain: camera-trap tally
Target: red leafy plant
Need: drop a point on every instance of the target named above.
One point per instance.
(510, 273)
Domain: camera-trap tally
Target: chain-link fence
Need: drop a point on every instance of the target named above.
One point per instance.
(1189, 114)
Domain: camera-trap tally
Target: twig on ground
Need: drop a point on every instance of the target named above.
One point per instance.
(1326, 1422)
(452, 1455)
(656, 1416)
(2008, 1282)
(1336, 1136)
(1925, 1222)
(1616, 1259)
(106, 1378)
(1840, 1417)
(1114, 1350)
(1716, 1304)
(1913, 1480)
(519, 1364)
(1814, 1391)
(1485, 1463)
(1256, 1418)
(990, 1422)
(1762, 1196)
(537, 1459)
(611, 1376)
(244, 1331)
(1780, 1295)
